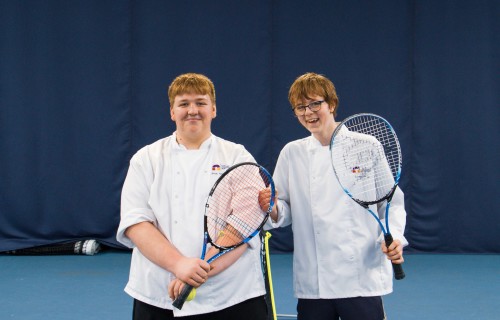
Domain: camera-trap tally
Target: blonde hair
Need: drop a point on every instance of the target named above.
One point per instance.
(313, 84)
(191, 83)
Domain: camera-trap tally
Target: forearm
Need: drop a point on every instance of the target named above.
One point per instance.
(227, 238)
(154, 245)
(159, 250)
(274, 213)
(225, 261)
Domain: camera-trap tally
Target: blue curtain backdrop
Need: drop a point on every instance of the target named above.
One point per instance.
(83, 87)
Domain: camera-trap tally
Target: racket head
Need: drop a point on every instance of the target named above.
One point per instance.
(232, 213)
(366, 158)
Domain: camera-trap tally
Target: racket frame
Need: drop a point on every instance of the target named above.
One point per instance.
(179, 302)
(398, 269)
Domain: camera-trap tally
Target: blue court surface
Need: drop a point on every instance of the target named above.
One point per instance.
(91, 287)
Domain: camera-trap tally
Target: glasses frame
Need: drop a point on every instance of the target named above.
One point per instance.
(313, 106)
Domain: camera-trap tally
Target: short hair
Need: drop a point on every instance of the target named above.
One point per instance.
(191, 83)
(313, 84)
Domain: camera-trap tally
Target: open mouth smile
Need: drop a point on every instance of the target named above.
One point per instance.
(313, 120)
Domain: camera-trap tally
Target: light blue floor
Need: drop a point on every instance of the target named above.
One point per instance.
(443, 287)
(65, 287)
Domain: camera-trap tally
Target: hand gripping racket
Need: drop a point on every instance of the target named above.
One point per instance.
(366, 159)
(233, 215)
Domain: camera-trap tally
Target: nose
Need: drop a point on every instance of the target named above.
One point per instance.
(192, 109)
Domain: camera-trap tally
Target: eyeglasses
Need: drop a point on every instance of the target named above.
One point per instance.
(313, 106)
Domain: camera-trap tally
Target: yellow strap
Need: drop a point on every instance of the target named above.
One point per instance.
(270, 279)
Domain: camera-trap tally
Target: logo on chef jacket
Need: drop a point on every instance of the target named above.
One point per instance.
(219, 168)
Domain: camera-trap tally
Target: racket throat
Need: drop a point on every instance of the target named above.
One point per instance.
(388, 239)
(361, 203)
(211, 253)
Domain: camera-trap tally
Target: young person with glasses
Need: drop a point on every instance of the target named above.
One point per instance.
(341, 265)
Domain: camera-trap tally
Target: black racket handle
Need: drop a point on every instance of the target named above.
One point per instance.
(398, 268)
(179, 302)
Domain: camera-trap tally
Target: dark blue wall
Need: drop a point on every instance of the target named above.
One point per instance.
(83, 86)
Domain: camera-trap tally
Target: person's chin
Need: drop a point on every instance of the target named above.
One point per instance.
(313, 127)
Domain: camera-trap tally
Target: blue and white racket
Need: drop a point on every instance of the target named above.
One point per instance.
(233, 215)
(366, 159)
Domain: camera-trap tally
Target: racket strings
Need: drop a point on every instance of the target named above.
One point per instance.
(383, 133)
(366, 158)
(233, 212)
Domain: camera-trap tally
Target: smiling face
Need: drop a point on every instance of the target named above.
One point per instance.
(192, 108)
(320, 123)
(193, 114)
(309, 88)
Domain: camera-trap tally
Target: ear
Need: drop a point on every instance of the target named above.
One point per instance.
(172, 116)
(214, 111)
(331, 108)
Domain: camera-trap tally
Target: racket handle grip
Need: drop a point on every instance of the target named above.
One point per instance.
(398, 271)
(179, 302)
(398, 268)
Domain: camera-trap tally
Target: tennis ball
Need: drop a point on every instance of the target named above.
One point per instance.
(191, 295)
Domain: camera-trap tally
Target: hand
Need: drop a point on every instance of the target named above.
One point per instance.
(265, 199)
(175, 288)
(192, 271)
(394, 252)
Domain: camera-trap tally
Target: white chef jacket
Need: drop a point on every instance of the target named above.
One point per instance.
(168, 185)
(336, 241)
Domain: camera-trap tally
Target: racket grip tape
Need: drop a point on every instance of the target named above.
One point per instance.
(398, 268)
(179, 302)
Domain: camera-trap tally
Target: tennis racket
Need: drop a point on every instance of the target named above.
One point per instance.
(366, 159)
(233, 215)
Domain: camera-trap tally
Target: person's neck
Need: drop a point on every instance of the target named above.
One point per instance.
(325, 136)
(192, 143)
(324, 140)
